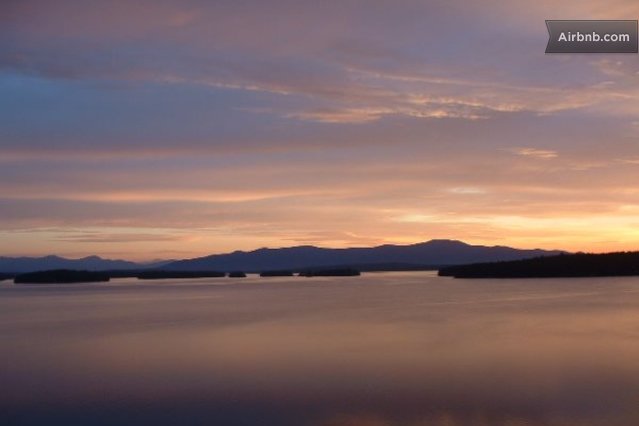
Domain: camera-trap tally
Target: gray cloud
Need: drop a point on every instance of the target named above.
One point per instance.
(343, 122)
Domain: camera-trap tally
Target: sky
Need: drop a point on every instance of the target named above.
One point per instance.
(156, 129)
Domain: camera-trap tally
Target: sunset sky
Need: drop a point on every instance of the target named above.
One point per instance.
(170, 129)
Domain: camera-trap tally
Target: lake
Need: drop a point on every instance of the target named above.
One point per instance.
(405, 348)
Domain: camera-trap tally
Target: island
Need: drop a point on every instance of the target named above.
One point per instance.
(160, 274)
(561, 266)
(61, 276)
(4, 277)
(342, 272)
(276, 274)
(237, 274)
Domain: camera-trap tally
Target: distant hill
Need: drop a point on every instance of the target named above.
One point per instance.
(90, 263)
(428, 255)
(569, 265)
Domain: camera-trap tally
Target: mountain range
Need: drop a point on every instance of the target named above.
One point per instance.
(427, 255)
(90, 263)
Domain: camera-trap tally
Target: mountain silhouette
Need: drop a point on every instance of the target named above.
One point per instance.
(428, 255)
(90, 263)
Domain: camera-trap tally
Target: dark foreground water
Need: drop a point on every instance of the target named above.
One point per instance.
(381, 349)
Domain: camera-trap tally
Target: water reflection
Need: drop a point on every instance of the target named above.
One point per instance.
(381, 349)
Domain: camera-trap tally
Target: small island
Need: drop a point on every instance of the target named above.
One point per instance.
(341, 272)
(159, 274)
(561, 266)
(276, 274)
(61, 276)
(4, 277)
(237, 274)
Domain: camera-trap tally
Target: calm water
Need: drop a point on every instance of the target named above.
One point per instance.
(381, 349)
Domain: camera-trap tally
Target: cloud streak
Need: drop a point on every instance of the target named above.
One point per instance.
(354, 122)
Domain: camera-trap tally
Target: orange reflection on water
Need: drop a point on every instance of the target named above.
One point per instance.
(393, 348)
